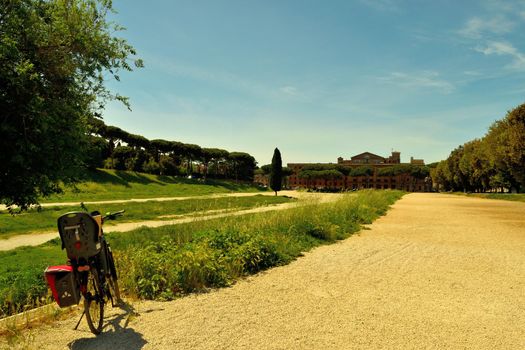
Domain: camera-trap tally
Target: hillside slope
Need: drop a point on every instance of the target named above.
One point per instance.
(105, 184)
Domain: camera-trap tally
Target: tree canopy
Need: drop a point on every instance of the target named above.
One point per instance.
(126, 151)
(417, 171)
(328, 174)
(494, 162)
(54, 59)
(276, 171)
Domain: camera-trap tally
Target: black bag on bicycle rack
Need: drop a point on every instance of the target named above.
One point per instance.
(79, 233)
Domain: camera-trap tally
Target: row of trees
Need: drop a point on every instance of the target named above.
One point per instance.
(55, 59)
(496, 162)
(335, 171)
(114, 148)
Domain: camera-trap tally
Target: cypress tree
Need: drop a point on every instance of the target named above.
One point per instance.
(276, 173)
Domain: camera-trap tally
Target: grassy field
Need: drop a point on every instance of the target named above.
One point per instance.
(22, 284)
(517, 197)
(45, 219)
(166, 262)
(114, 184)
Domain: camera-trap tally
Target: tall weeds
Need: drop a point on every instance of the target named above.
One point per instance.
(170, 261)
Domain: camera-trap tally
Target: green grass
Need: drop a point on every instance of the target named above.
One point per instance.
(22, 284)
(114, 184)
(166, 262)
(45, 219)
(516, 197)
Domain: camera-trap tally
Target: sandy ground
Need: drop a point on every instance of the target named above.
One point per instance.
(437, 272)
(33, 239)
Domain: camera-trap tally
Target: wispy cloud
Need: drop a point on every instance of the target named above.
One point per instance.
(492, 33)
(472, 73)
(424, 79)
(502, 48)
(476, 27)
(222, 78)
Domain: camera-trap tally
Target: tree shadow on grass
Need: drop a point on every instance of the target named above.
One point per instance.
(133, 177)
(115, 334)
(233, 186)
(120, 177)
(126, 178)
(100, 176)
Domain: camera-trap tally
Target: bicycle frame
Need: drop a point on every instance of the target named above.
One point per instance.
(91, 261)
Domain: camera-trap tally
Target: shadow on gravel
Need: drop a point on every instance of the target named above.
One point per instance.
(115, 334)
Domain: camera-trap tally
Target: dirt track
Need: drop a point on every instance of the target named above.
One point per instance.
(33, 239)
(437, 272)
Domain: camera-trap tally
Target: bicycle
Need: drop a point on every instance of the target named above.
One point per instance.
(90, 271)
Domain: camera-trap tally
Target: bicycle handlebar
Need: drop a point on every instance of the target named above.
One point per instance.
(113, 216)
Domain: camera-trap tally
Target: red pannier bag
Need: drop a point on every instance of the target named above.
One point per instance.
(61, 281)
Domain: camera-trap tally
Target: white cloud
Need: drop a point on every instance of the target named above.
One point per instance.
(477, 27)
(497, 48)
(424, 79)
(502, 48)
(490, 33)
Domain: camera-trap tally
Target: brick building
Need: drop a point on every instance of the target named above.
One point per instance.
(362, 171)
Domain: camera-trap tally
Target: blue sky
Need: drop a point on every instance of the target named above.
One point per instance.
(321, 79)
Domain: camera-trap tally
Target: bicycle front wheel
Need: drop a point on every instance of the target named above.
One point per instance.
(112, 278)
(94, 306)
(114, 290)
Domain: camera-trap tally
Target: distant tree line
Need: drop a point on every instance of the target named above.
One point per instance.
(337, 171)
(496, 162)
(114, 148)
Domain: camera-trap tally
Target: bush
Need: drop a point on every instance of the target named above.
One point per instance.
(109, 163)
(151, 167)
(168, 166)
(362, 171)
(123, 158)
(97, 152)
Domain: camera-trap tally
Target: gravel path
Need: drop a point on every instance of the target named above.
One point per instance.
(165, 199)
(437, 272)
(34, 239)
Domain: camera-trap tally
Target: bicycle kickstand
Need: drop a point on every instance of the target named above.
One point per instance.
(79, 320)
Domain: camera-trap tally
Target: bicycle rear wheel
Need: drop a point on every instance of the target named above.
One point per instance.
(94, 305)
